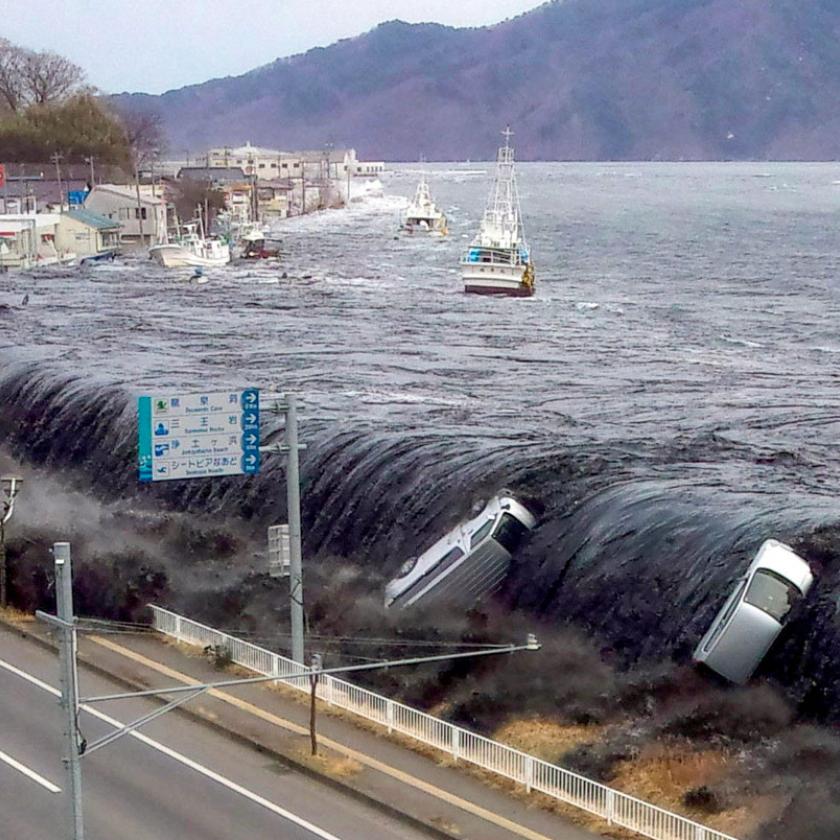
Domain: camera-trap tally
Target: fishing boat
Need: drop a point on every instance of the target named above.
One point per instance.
(189, 248)
(498, 261)
(422, 214)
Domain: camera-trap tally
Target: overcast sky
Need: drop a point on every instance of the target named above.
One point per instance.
(156, 45)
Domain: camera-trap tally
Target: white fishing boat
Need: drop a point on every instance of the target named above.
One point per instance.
(498, 261)
(422, 214)
(191, 248)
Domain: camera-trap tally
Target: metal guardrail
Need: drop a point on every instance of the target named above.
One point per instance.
(613, 806)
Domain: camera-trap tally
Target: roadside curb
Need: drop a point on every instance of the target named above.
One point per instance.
(290, 760)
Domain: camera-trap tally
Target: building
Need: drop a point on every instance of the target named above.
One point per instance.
(29, 240)
(274, 199)
(87, 234)
(270, 164)
(144, 217)
(266, 164)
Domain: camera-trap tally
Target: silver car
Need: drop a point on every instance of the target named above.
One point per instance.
(755, 612)
(468, 563)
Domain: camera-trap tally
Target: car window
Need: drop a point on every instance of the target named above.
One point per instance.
(509, 532)
(482, 532)
(772, 594)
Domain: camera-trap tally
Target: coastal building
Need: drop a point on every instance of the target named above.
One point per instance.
(144, 217)
(88, 235)
(269, 164)
(29, 240)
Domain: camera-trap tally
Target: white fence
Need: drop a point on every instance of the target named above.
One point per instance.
(614, 807)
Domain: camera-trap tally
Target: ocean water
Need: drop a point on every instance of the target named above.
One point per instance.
(666, 401)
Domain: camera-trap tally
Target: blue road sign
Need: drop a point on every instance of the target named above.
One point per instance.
(199, 435)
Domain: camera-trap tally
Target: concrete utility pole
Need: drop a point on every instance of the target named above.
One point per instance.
(56, 159)
(69, 690)
(287, 405)
(293, 513)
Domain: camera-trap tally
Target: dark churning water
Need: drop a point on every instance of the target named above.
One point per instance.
(667, 400)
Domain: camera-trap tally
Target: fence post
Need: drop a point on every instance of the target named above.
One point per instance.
(456, 743)
(529, 773)
(610, 815)
(178, 627)
(389, 715)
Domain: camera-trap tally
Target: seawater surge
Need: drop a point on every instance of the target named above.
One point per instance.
(666, 402)
(638, 562)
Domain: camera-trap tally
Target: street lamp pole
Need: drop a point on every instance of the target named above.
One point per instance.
(11, 487)
(69, 690)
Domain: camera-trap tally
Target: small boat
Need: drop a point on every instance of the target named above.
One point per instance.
(254, 244)
(498, 261)
(422, 214)
(191, 248)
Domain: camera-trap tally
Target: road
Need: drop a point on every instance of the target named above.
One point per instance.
(176, 779)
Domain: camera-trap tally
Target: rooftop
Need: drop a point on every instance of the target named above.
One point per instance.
(93, 220)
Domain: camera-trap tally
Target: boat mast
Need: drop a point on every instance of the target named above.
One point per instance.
(503, 211)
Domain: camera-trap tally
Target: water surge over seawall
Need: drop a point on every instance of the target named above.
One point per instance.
(636, 543)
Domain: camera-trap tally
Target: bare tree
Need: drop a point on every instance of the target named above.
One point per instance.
(12, 88)
(144, 133)
(49, 77)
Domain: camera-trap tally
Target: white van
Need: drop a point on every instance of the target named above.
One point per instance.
(468, 563)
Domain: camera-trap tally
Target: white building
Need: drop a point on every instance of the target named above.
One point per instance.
(29, 240)
(120, 204)
(269, 164)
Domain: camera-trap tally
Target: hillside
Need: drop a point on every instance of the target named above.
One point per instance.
(580, 79)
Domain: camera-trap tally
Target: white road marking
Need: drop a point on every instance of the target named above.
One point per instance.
(188, 762)
(31, 774)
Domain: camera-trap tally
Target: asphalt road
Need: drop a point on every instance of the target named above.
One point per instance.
(177, 780)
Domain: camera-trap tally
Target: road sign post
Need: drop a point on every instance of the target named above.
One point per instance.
(199, 435)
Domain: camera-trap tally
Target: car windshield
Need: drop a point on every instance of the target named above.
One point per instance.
(509, 532)
(772, 594)
(482, 532)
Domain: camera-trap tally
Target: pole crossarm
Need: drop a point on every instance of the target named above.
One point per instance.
(532, 644)
(141, 721)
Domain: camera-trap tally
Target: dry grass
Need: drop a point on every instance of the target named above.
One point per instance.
(665, 772)
(329, 763)
(13, 616)
(546, 739)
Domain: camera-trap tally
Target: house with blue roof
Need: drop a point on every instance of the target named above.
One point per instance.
(88, 235)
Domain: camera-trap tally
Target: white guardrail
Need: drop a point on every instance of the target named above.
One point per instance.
(615, 807)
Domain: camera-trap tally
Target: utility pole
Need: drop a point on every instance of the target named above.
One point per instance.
(139, 204)
(293, 513)
(303, 185)
(69, 690)
(56, 159)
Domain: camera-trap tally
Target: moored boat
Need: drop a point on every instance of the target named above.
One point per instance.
(498, 261)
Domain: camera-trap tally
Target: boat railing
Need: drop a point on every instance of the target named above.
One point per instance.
(496, 256)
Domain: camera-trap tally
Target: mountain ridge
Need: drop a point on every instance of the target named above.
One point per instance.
(579, 80)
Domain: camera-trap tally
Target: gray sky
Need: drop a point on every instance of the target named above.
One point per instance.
(156, 45)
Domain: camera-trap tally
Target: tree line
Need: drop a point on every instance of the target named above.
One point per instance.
(47, 107)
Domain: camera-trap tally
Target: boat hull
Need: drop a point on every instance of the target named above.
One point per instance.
(509, 281)
(174, 256)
